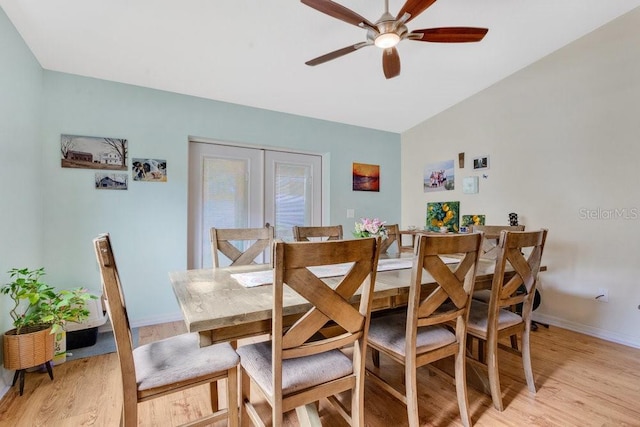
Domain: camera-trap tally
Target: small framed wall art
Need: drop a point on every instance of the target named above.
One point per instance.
(111, 181)
(470, 184)
(366, 177)
(481, 162)
(469, 220)
(151, 170)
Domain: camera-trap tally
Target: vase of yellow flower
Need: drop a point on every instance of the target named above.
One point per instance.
(368, 227)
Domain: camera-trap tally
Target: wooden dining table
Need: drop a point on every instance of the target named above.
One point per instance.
(215, 305)
(220, 309)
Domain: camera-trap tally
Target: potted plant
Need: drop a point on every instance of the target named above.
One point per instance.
(39, 312)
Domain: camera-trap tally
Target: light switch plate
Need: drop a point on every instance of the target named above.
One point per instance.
(470, 185)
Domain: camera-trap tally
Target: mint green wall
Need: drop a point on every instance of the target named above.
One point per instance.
(51, 214)
(20, 156)
(148, 223)
(20, 159)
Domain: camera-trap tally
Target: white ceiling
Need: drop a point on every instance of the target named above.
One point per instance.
(252, 52)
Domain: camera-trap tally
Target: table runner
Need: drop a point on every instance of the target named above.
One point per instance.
(259, 278)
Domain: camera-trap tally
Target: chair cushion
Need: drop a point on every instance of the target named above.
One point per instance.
(483, 295)
(479, 317)
(297, 374)
(180, 358)
(389, 332)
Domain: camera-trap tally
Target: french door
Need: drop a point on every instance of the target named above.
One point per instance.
(240, 187)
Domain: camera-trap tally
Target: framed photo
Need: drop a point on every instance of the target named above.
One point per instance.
(151, 170)
(439, 177)
(111, 181)
(366, 177)
(90, 152)
(481, 162)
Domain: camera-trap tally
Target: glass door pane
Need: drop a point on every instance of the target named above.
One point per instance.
(293, 195)
(225, 191)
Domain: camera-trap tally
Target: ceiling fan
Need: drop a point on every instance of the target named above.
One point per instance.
(388, 31)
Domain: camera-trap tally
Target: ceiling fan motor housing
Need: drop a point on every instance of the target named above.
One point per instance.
(387, 24)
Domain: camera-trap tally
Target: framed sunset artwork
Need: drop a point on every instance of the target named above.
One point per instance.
(366, 177)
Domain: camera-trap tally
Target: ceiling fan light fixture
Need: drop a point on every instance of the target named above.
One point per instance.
(387, 40)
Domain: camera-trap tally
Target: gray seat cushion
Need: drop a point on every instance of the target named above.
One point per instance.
(483, 295)
(297, 374)
(389, 332)
(178, 358)
(479, 317)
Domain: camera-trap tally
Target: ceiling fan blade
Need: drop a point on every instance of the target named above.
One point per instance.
(414, 8)
(336, 54)
(339, 12)
(391, 62)
(449, 34)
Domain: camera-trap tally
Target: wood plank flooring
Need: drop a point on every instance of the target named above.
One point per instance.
(581, 380)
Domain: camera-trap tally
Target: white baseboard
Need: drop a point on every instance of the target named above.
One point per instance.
(588, 330)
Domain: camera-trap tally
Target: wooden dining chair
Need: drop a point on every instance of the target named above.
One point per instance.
(420, 335)
(412, 236)
(493, 321)
(299, 365)
(317, 233)
(393, 236)
(490, 251)
(258, 241)
(491, 236)
(166, 366)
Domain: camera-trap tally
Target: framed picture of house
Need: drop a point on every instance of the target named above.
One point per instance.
(111, 181)
(90, 152)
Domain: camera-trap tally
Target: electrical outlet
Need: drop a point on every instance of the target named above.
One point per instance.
(350, 213)
(602, 295)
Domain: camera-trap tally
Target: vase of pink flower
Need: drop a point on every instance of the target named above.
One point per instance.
(368, 227)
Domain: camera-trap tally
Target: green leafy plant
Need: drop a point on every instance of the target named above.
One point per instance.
(36, 303)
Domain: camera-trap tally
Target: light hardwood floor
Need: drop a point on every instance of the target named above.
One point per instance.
(582, 381)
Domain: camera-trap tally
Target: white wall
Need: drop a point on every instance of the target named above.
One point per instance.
(563, 136)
